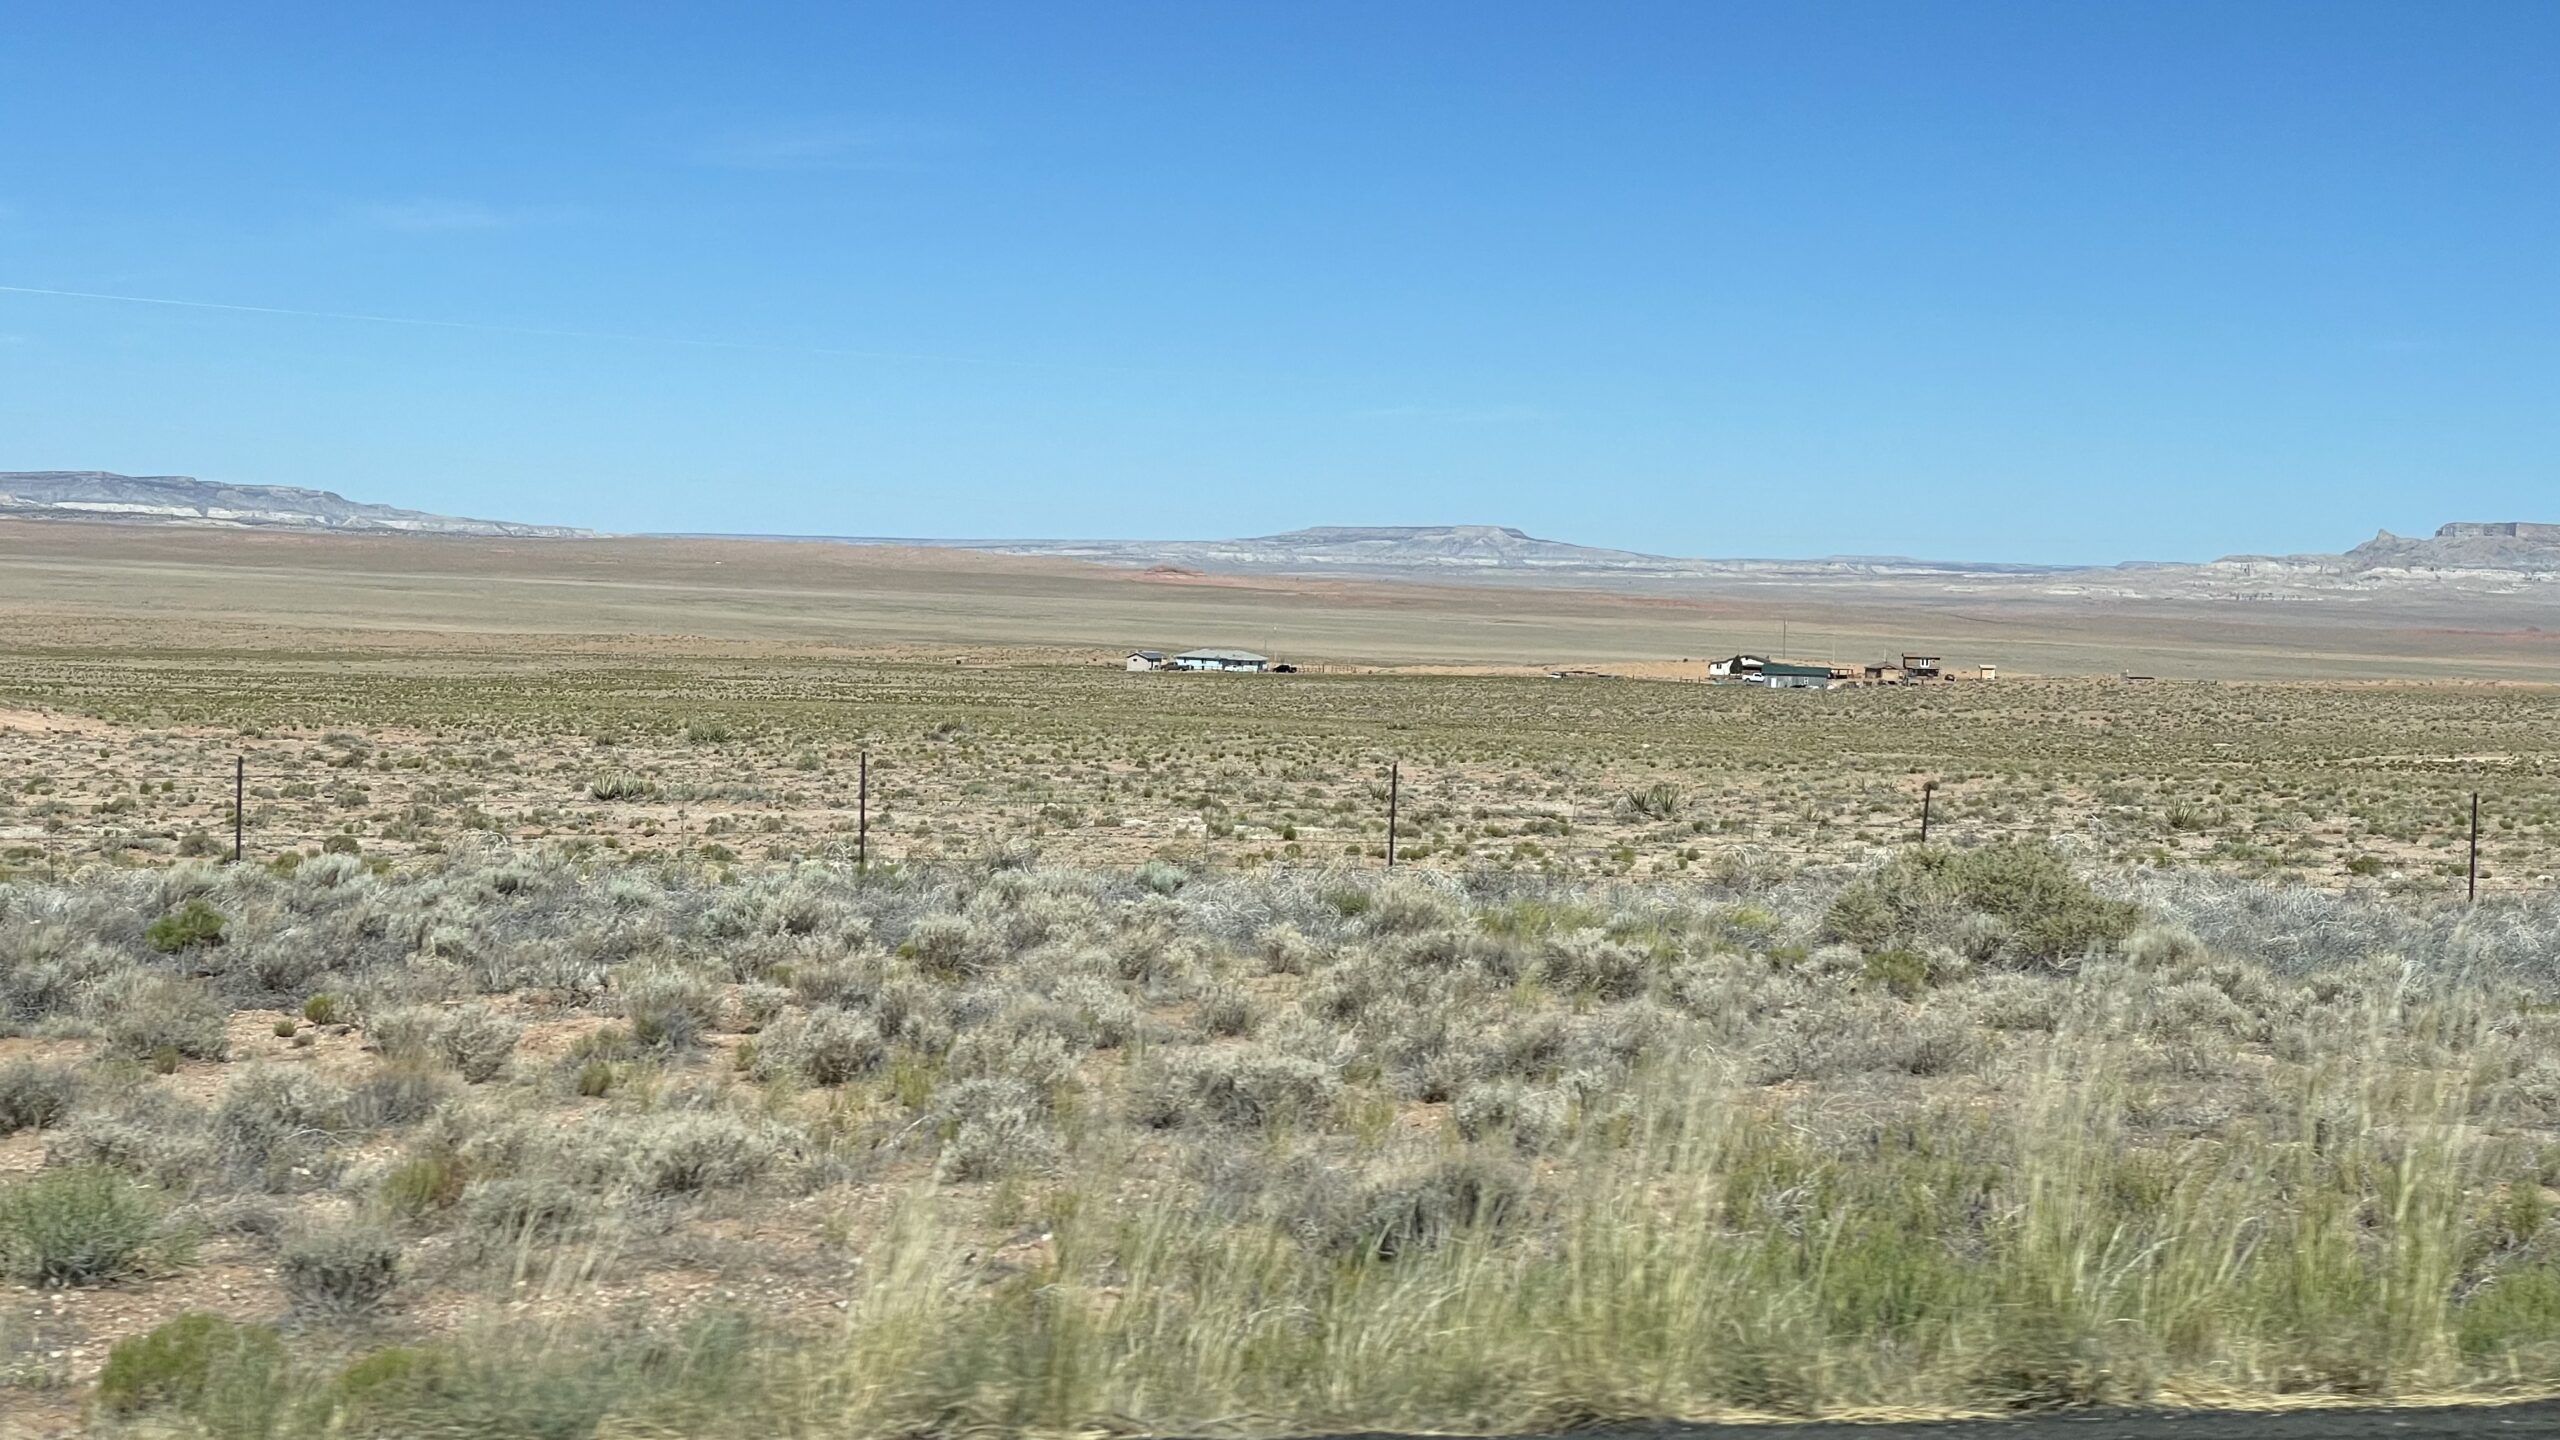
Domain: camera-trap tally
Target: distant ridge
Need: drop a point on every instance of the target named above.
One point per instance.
(2466, 557)
(1471, 552)
(2461, 557)
(185, 500)
(2470, 550)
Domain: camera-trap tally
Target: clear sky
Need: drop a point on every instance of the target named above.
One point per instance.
(2036, 281)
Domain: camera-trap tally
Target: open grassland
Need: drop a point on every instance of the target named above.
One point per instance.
(727, 755)
(512, 1145)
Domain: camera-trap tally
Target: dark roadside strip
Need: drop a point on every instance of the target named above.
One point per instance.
(2527, 1420)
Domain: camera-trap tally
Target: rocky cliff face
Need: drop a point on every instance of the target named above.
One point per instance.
(2509, 545)
(185, 500)
(2500, 530)
(2489, 557)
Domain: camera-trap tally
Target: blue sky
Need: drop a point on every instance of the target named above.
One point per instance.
(2038, 281)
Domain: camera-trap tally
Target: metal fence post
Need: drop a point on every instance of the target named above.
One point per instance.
(2471, 887)
(1392, 769)
(239, 805)
(862, 817)
(1928, 790)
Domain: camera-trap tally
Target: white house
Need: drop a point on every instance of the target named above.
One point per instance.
(1243, 662)
(1145, 660)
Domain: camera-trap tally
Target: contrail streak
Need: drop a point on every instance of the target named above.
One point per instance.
(619, 337)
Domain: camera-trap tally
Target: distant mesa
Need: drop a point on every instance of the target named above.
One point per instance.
(1435, 545)
(2501, 530)
(2467, 556)
(2523, 546)
(185, 500)
(1490, 553)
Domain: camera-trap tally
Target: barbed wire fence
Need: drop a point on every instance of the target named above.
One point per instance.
(1566, 835)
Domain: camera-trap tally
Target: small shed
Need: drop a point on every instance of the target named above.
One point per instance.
(1145, 660)
(1240, 662)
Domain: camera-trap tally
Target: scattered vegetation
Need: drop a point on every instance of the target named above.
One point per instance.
(555, 1070)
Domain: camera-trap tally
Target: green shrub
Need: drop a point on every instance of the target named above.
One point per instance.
(950, 947)
(403, 1092)
(1403, 1217)
(341, 845)
(341, 1271)
(1659, 801)
(1228, 1010)
(476, 1042)
(273, 1124)
(34, 1096)
(668, 1009)
(685, 1154)
(996, 1142)
(666, 1383)
(2518, 1310)
(161, 1017)
(77, 1226)
(185, 928)
(322, 1009)
(2048, 914)
(424, 1185)
(622, 785)
(1248, 1088)
(827, 1046)
(1901, 972)
(219, 1373)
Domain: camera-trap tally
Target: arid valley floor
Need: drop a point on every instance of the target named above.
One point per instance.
(551, 1068)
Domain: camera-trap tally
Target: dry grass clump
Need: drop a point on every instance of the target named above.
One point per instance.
(1969, 1128)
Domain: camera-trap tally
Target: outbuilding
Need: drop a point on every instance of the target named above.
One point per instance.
(1786, 675)
(1145, 660)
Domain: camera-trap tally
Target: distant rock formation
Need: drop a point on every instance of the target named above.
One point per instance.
(1471, 552)
(2510, 545)
(185, 500)
(2501, 530)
